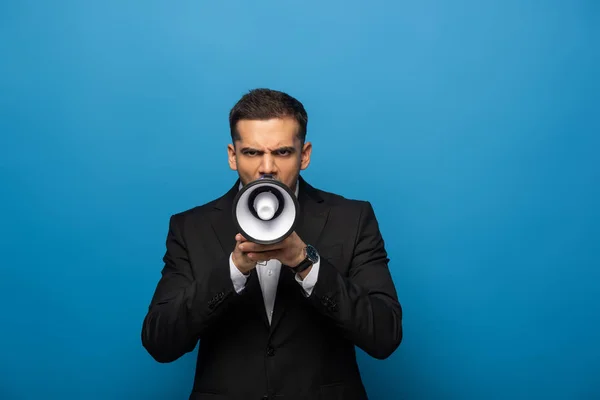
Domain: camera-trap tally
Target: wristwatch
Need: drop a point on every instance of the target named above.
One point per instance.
(311, 257)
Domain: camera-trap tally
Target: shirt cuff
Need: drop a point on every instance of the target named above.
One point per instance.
(238, 279)
(309, 282)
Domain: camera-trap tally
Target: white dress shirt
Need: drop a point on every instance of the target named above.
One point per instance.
(268, 276)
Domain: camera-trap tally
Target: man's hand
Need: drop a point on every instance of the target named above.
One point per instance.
(240, 258)
(289, 252)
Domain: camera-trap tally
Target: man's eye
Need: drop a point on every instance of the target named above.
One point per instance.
(283, 152)
(251, 153)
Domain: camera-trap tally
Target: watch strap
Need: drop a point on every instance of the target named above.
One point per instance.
(302, 266)
(310, 259)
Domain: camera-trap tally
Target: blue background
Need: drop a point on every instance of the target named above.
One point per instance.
(472, 127)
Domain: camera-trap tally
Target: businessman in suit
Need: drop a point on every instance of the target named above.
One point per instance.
(274, 321)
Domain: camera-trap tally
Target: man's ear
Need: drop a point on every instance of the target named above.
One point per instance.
(231, 157)
(305, 156)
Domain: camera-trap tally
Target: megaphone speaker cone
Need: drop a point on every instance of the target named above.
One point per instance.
(266, 204)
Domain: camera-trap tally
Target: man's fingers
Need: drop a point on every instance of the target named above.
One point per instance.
(259, 248)
(262, 256)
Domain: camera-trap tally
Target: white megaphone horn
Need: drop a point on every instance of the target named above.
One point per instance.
(265, 211)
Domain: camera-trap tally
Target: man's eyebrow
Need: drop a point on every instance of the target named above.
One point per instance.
(291, 149)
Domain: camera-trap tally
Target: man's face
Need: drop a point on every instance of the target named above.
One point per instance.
(269, 147)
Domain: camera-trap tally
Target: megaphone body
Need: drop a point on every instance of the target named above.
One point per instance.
(265, 211)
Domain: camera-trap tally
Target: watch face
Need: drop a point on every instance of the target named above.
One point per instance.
(312, 254)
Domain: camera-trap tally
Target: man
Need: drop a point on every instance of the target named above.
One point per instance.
(274, 321)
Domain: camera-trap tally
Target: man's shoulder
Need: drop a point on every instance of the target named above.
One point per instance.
(199, 210)
(335, 199)
(195, 211)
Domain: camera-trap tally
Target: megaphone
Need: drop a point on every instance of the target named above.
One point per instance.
(265, 211)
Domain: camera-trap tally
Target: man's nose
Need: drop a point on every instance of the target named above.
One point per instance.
(267, 165)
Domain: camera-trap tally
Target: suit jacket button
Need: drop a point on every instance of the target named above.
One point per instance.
(270, 351)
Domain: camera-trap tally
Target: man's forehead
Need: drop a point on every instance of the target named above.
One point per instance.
(268, 141)
(266, 146)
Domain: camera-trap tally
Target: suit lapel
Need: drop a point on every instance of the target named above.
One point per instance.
(221, 219)
(313, 216)
(313, 213)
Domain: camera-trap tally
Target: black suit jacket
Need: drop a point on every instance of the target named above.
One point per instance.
(309, 350)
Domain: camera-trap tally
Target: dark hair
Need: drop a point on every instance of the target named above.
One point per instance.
(261, 104)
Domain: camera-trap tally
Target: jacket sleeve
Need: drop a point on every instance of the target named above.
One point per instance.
(363, 305)
(184, 305)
